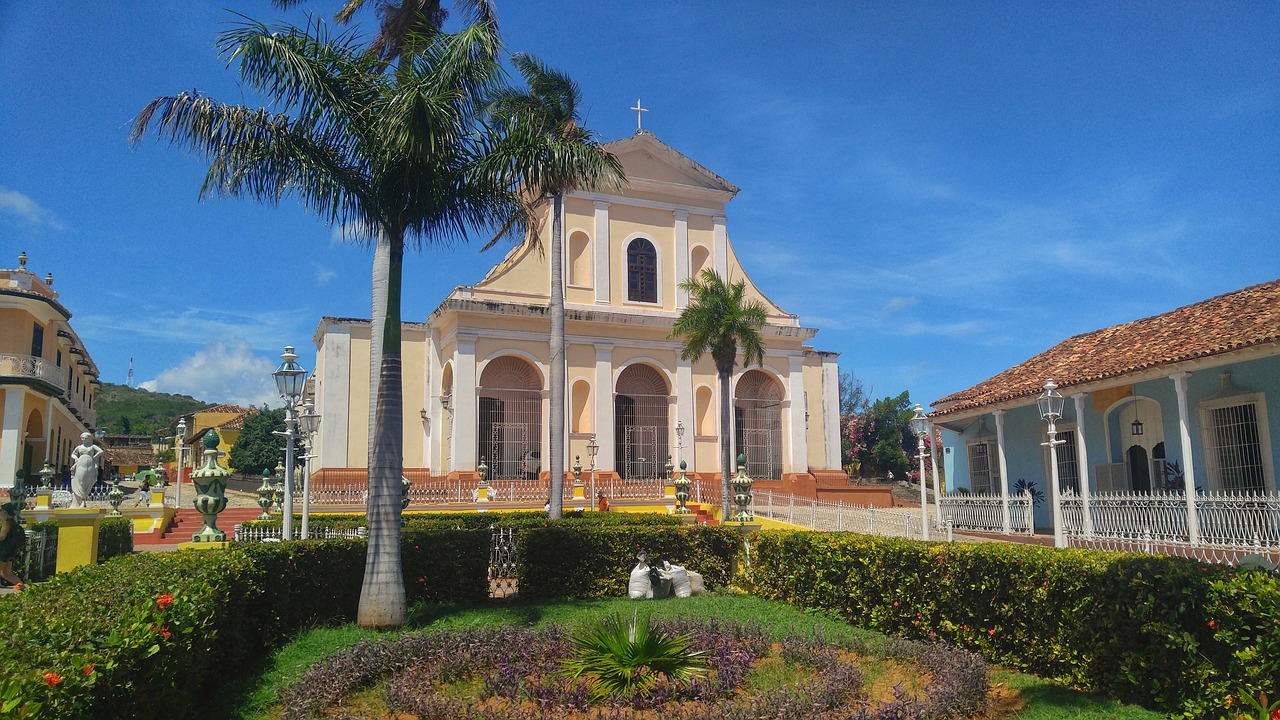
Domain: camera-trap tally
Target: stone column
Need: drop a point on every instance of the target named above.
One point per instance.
(721, 261)
(685, 401)
(600, 248)
(1082, 465)
(797, 445)
(681, 256)
(1188, 459)
(12, 434)
(603, 421)
(1004, 473)
(831, 410)
(464, 403)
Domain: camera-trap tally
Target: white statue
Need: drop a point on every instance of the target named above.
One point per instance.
(85, 457)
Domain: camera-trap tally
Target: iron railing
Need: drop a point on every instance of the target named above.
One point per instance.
(984, 512)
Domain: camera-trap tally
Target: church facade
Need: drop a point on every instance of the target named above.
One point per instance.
(476, 371)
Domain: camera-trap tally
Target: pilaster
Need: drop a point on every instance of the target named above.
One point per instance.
(602, 251)
(464, 404)
(12, 434)
(721, 239)
(603, 421)
(797, 447)
(681, 256)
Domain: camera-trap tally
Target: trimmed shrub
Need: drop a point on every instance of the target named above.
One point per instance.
(477, 520)
(124, 637)
(581, 560)
(1167, 633)
(115, 537)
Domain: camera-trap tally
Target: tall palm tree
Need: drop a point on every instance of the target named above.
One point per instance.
(720, 319)
(356, 143)
(549, 152)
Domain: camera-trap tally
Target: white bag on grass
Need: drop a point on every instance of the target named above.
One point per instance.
(696, 586)
(639, 587)
(680, 582)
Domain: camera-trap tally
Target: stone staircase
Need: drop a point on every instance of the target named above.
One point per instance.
(187, 522)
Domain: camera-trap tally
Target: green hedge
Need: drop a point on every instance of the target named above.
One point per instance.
(476, 521)
(1167, 633)
(581, 560)
(105, 640)
(115, 537)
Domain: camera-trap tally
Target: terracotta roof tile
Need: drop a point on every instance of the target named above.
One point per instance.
(1245, 318)
(224, 408)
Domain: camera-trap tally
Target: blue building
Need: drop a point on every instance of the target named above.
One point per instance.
(1152, 406)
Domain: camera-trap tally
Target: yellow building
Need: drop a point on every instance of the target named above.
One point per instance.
(227, 419)
(476, 372)
(48, 381)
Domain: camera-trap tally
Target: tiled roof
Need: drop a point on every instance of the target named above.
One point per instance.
(224, 408)
(130, 456)
(237, 422)
(1241, 319)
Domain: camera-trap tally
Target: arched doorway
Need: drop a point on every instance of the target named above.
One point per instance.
(509, 418)
(1142, 437)
(640, 415)
(757, 424)
(33, 446)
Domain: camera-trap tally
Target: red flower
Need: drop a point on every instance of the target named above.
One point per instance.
(895, 603)
(164, 632)
(52, 679)
(88, 669)
(992, 631)
(1211, 623)
(164, 600)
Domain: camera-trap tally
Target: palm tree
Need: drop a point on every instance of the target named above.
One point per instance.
(395, 152)
(720, 319)
(550, 153)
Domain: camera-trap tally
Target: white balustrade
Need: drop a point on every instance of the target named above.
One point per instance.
(984, 512)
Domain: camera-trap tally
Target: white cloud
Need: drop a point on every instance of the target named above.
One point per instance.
(27, 210)
(323, 274)
(221, 373)
(899, 303)
(196, 325)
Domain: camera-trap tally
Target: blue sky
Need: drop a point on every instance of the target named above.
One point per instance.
(943, 189)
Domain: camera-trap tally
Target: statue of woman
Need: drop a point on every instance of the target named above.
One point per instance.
(85, 474)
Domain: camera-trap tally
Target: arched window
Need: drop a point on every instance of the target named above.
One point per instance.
(642, 271)
(641, 407)
(580, 260)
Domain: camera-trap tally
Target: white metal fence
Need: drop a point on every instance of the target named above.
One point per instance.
(273, 534)
(837, 516)
(1229, 524)
(984, 512)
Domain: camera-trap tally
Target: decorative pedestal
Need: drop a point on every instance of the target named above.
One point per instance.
(211, 486)
(77, 537)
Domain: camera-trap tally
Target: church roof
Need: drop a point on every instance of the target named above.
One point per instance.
(645, 140)
(1245, 318)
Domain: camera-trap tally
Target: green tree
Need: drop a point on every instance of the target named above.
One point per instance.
(720, 320)
(257, 448)
(885, 441)
(393, 149)
(549, 153)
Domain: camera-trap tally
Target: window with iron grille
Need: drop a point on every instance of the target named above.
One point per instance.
(1068, 461)
(1234, 445)
(980, 473)
(642, 271)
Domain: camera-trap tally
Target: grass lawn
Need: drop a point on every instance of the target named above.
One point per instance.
(254, 698)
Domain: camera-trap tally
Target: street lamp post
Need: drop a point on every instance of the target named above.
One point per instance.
(290, 379)
(920, 424)
(182, 434)
(310, 422)
(592, 449)
(679, 441)
(1050, 402)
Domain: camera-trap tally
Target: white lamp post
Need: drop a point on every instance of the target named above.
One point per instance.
(592, 449)
(920, 424)
(1050, 402)
(310, 421)
(182, 435)
(290, 379)
(679, 441)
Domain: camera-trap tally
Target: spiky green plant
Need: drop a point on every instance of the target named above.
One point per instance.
(624, 657)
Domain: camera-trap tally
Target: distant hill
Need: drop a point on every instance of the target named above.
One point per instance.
(133, 411)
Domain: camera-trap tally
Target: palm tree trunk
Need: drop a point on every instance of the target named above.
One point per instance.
(556, 382)
(382, 595)
(726, 449)
(378, 318)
